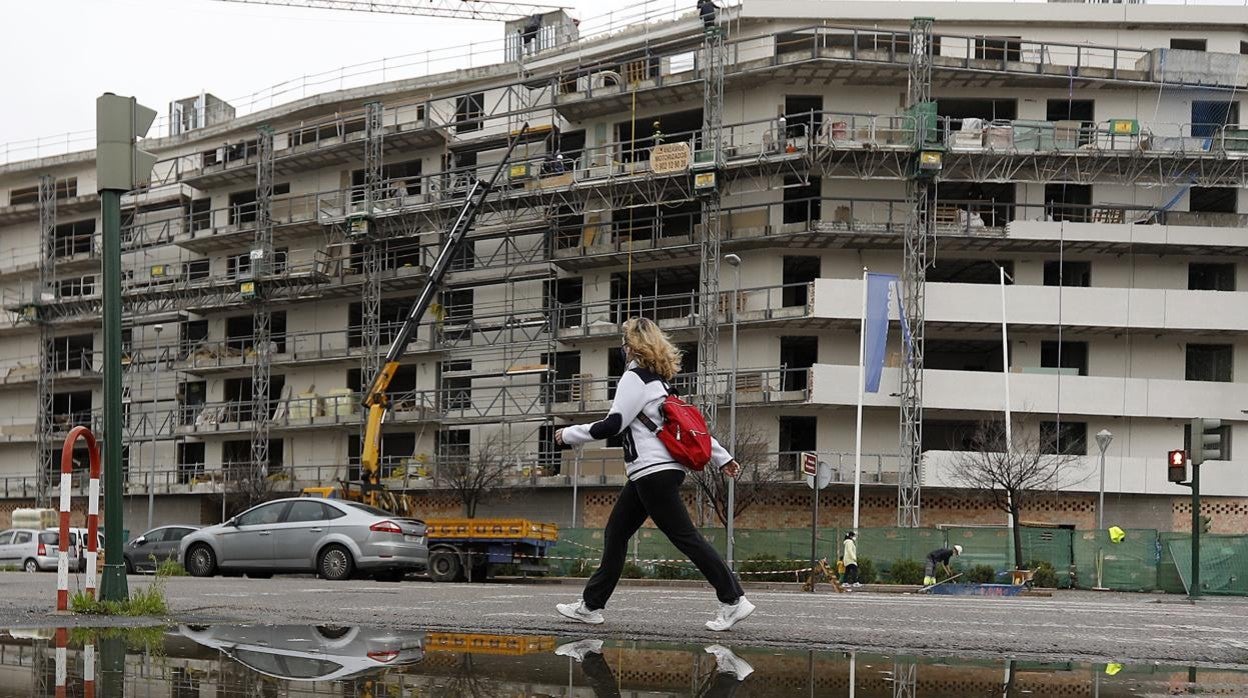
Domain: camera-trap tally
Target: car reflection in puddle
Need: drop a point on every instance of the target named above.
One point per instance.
(305, 660)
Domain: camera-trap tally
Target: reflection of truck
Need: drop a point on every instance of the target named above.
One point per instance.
(458, 548)
(465, 548)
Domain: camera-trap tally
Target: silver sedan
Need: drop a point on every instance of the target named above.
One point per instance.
(333, 537)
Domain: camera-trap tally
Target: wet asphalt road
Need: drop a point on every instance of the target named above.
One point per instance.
(1070, 625)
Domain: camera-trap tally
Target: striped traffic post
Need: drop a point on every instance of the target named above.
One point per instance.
(88, 670)
(62, 670)
(93, 509)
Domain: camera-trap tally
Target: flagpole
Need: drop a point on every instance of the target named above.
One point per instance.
(862, 347)
(1005, 373)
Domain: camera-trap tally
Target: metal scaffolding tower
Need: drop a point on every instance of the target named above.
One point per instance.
(712, 148)
(914, 276)
(261, 266)
(370, 362)
(45, 450)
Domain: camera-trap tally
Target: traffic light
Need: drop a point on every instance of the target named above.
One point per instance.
(1206, 522)
(119, 122)
(1206, 440)
(1177, 466)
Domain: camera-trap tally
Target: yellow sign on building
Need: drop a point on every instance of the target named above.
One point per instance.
(669, 157)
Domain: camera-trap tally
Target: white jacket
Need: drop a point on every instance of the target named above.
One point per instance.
(639, 391)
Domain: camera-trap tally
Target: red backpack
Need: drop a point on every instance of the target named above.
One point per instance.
(684, 432)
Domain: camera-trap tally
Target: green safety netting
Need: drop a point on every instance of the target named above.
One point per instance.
(1223, 563)
(1127, 566)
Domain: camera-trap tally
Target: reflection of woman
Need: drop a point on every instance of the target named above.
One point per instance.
(730, 669)
(654, 479)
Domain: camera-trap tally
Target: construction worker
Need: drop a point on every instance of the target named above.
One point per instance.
(706, 10)
(939, 557)
(849, 556)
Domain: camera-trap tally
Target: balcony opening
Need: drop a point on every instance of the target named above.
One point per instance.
(74, 238)
(452, 446)
(391, 314)
(637, 138)
(1067, 273)
(469, 112)
(993, 48)
(562, 367)
(1065, 357)
(1210, 362)
(191, 333)
(802, 202)
(76, 287)
(659, 294)
(1243, 48)
(191, 458)
(242, 207)
(569, 228)
(1189, 44)
(395, 452)
(457, 304)
(1213, 200)
(958, 108)
(1203, 276)
(1064, 438)
(196, 270)
(397, 180)
(1224, 430)
(240, 334)
(678, 220)
(967, 205)
(464, 258)
(236, 458)
(200, 213)
(191, 397)
(459, 170)
(797, 435)
(962, 354)
(565, 297)
(1083, 110)
(797, 354)
(799, 272)
(1208, 118)
(802, 114)
(73, 353)
(951, 434)
(549, 456)
(1068, 202)
(238, 392)
(65, 189)
(970, 271)
(404, 381)
(71, 409)
(456, 393)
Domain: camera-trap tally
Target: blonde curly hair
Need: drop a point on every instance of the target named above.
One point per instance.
(651, 347)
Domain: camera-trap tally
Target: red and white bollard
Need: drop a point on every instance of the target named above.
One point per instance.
(62, 670)
(93, 509)
(88, 670)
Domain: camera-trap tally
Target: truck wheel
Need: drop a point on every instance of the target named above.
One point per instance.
(444, 566)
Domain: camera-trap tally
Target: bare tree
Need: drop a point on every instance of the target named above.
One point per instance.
(759, 473)
(477, 476)
(245, 487)
(1034, 464)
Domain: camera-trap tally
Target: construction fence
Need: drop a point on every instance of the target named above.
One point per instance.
(1146, 560)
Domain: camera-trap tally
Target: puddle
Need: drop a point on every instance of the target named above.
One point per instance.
(358, 662)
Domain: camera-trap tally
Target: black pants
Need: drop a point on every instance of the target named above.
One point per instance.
(604, 684)
(656, 496)
(851, 574)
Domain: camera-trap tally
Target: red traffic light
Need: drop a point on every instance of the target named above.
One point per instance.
(1178, 458)
(1176, 470)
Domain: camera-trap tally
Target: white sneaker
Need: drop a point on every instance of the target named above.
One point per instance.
(730, 614)
(578, 612)
(577, 650)
(729, 663)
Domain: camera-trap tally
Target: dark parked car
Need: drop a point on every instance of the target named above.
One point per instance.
(146, 552)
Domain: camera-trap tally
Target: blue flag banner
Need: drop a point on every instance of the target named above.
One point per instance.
(879, 289)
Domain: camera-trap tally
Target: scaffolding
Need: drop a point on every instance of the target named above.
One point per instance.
(918, 236)
(46, 451)
(261, 266)
(713, 126)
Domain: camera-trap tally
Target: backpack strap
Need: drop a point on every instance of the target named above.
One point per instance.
(649, 423)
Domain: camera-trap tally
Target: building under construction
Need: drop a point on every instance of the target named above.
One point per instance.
(1085, 158)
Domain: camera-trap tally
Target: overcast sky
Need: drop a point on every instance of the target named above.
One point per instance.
(62, 54)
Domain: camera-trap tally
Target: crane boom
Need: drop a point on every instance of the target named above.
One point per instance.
(496, 10)
(375, 395)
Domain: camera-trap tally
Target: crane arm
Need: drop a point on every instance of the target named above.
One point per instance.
(497, 10)
(375, 395)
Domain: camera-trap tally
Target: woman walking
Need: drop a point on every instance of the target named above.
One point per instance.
(849, 556)
(654, 479)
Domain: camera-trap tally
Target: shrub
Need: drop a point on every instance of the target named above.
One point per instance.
(632, 571)
(581, 568)
(170, 568)
(905, 572)
(768, 564)
(866, 571)
(981, 574)
(673, 570)
(1044, 575)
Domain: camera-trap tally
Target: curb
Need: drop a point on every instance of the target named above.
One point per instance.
(757, 586)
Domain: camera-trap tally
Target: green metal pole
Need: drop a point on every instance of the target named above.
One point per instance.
(112, 671)
(113, 585)
(1193, 591)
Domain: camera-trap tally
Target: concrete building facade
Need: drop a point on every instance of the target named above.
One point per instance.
(1092, 151)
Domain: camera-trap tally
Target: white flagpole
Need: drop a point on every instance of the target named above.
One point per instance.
(1005, 366)
(862, 346)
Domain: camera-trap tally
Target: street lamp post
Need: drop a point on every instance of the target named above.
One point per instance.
(1103, 438)
(735, 261)
(151, 476)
